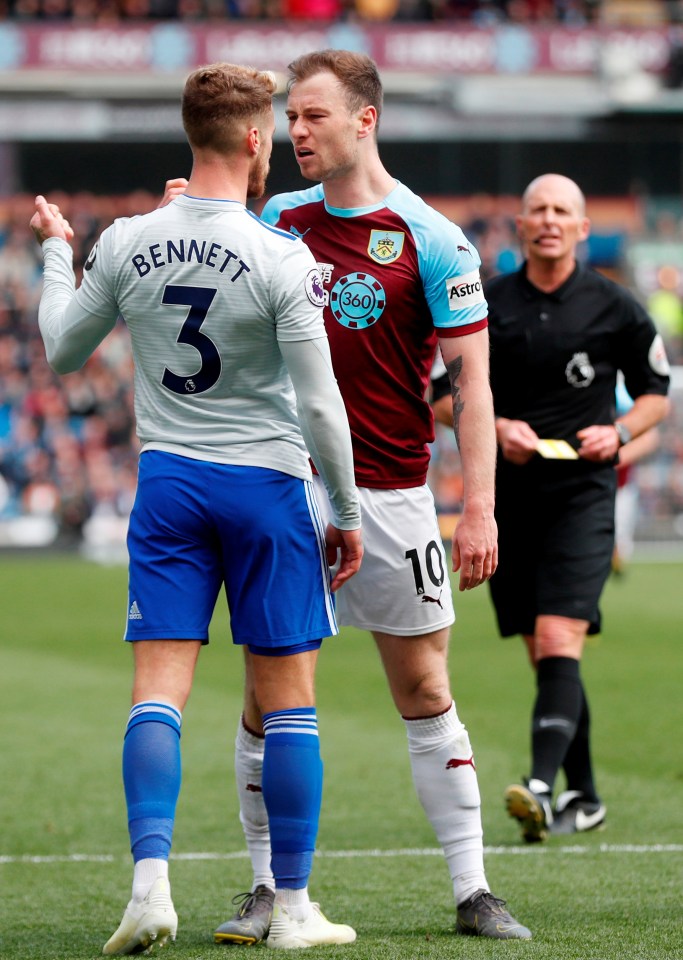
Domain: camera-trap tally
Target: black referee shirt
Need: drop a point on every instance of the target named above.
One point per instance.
(555, 356)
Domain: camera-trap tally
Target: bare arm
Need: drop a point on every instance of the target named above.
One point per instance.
(601, 442)
(475, 542)
(639, 448)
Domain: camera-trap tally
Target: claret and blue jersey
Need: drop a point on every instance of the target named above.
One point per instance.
(396, 276)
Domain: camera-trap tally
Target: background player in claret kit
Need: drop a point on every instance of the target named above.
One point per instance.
(398, 278)
(229, 345)
(559, 335)
(626, 505)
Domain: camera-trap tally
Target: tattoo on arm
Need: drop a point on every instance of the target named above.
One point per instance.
(454, 368)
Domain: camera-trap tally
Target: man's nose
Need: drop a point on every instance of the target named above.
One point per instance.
(297, 128)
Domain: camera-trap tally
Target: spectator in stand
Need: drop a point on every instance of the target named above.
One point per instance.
(666, 308)
(313, 9)
(535, 11)
(56, 10)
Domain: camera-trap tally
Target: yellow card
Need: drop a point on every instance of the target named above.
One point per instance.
(556, 450)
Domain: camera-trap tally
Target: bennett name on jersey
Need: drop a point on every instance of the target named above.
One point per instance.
(187, 251)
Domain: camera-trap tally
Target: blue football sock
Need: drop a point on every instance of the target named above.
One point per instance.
(292, 791)
(151, 777)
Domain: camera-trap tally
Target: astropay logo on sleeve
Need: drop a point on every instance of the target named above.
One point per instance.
(464, 291)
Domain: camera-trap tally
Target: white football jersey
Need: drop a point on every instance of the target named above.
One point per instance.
(207, 290)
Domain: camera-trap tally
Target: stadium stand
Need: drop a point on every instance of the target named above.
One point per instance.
(484, 13)
(480, 12)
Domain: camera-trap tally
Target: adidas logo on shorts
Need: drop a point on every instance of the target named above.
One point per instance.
(134, 612)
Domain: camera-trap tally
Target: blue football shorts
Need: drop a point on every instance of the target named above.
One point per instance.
(197, 525)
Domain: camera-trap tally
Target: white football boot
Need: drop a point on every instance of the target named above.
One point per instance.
(146, 923)
(287, 933)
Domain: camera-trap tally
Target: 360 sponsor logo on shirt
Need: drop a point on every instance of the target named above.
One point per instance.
(357, 300)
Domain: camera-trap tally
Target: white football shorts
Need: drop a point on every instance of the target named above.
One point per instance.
(403, 585)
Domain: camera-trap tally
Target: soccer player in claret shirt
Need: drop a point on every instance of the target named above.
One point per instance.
(233, 388)
(399, 279)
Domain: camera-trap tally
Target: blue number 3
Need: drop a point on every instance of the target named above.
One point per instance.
(199, 300)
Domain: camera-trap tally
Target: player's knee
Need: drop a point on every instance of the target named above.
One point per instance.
(424, 695)
(559, 637)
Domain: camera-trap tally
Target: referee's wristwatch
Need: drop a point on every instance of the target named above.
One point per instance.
(623, 432)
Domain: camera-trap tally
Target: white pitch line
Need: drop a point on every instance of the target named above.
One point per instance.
(363, 854)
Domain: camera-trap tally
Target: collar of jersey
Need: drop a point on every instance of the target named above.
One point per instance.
(561, 293)
(187, 196)
(360, 211)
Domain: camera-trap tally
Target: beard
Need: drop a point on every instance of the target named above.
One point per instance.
(256, 184)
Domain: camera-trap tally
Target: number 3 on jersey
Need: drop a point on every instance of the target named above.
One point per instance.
(199, 300)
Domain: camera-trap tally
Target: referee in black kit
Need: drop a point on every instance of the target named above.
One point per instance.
(559, 334)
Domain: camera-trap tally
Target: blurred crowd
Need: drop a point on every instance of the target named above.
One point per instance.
(68, 450)
(477, 12)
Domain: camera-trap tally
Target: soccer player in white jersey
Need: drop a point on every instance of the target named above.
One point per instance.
(398, 278)
(233, 387)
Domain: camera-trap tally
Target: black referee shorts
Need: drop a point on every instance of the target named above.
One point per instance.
(555, 540)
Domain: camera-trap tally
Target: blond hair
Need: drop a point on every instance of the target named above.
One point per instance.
(220, 99)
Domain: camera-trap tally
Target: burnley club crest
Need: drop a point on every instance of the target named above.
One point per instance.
(386, 245)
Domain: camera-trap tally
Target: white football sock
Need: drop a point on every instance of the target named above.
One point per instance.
(446, 783)
(253, 816)
(538, 786)
(145, 872)
(295, 902)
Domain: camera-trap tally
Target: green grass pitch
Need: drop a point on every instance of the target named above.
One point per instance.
(64, 863)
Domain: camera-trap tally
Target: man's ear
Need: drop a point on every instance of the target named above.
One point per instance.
(519, 227)
(367, 122)
(253, 140)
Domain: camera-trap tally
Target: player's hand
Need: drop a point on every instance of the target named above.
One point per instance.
(347, 547)
(517, 440)
(174, 188)
(47, 221)
(598, 443)
(475, 548)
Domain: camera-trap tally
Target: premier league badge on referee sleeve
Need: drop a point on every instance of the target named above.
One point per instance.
(658, 358)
